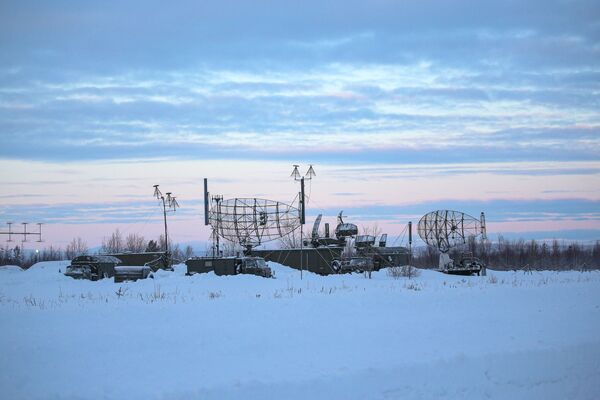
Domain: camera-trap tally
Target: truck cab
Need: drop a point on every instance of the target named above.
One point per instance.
(356, 264)
(255, 266)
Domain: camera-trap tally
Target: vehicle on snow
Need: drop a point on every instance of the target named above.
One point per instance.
(92, 267)
(229, 266)
(102, 266)
(467, 264)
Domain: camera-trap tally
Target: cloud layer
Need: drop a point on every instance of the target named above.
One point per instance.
(457, 101)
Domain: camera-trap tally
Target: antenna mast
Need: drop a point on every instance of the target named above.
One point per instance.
(310, 173)
(170, 204)
(24, 233)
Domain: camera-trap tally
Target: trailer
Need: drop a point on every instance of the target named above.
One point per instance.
(228, 266)
(155, 260)
(132, 273)
(319, 260)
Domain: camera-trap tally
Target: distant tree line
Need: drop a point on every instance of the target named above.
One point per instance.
(115, 243)
(501, 255)
(520, 254)
(16, 256)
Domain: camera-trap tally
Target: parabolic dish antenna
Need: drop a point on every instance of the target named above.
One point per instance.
(251, 221)
(444, 229)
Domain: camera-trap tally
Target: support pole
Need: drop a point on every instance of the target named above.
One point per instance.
(165, 217)
(301, 252)
(218, 248)
(409, 242)
(483, 227)
(302, 221)
(205, 201)
(303, 208)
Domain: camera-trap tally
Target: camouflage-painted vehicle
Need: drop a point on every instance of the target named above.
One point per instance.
(465, 264)
(229, 266)
(92, 267)
(468, 265)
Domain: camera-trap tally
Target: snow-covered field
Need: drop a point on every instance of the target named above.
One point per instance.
(509, 335)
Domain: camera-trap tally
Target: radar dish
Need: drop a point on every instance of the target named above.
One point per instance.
(251, 221)
(444, 229)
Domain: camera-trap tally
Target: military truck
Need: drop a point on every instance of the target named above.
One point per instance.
(92, 267)
(229, 266)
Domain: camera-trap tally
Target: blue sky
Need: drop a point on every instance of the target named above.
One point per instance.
(402, 107)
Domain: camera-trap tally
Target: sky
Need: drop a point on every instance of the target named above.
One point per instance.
(403, 107)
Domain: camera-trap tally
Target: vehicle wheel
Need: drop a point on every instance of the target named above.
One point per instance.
(336, 266)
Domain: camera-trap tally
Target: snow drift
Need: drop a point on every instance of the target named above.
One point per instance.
(506, 335)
